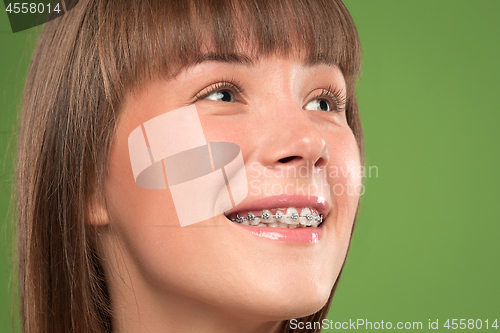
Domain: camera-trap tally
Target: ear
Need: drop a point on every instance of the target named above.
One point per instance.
(97, 211)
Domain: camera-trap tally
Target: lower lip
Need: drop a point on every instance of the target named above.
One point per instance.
(307, 235)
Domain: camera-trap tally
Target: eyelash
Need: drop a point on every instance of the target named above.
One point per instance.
(231, 84)
(336, 95)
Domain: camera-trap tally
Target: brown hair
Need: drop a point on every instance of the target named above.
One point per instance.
(84, 64)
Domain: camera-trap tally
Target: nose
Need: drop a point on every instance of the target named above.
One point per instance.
(297, 142)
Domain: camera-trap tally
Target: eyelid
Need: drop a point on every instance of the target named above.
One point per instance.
(337, 96)
(217, 86)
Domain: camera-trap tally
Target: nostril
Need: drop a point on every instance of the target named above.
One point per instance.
(321, 163)
(288, 159)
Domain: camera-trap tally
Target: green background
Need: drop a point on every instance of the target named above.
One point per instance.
(427, 241)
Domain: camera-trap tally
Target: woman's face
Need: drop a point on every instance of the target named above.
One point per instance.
(288, 119)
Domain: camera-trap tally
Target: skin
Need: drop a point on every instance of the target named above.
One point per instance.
(214, 276)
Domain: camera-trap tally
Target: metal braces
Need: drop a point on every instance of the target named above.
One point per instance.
(279, 215)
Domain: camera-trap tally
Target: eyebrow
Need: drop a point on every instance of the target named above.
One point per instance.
(246, 60)
(232, 58)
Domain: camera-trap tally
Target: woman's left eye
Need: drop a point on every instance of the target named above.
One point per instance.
(319, 104)
(329, 99)
(224, 95)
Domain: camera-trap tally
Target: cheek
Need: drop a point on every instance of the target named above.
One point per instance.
(344, 177)
(139, 217)
(144, 224)
(127, 201)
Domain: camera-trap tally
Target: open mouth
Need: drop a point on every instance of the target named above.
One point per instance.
(290, 217)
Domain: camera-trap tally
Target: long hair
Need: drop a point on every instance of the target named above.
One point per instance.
(84, 64)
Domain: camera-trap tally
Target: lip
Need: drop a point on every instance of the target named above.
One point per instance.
(305, 235)
(283, 201)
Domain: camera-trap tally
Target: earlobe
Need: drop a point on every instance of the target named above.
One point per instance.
(98, 214)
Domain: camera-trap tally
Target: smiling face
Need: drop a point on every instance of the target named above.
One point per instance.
(289, 121)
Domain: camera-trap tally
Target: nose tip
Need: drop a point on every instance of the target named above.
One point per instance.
(302, 144)
(318, 160)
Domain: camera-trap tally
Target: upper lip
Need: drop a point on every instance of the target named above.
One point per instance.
(282, 201)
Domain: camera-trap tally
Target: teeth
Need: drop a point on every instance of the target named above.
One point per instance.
(316, 220)
(292, 216)
(266, 214)
(255, 221)
(305, 217)
(291, 219)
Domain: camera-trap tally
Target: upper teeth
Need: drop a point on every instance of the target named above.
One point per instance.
(290, 219)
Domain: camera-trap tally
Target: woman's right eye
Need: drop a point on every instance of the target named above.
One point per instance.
(223, 91)
(224, 95)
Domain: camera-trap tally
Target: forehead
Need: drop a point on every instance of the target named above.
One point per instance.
(232, 63)
(172, 36)
(250, 59)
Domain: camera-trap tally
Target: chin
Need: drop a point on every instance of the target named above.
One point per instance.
(288, 308)
(287, 301)
(300, 303)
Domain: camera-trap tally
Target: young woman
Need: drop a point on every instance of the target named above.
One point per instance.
(99, 252)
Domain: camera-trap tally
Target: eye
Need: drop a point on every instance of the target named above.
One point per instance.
(319, 105)
(223, 91)
(327, 100)
(222, 96)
